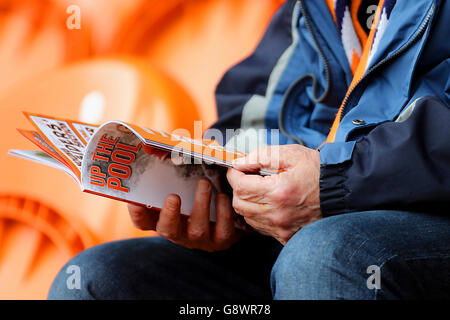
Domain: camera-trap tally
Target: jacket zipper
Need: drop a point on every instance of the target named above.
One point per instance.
(387, 59)
(328, 71)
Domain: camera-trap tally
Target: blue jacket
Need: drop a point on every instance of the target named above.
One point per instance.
(392, 148)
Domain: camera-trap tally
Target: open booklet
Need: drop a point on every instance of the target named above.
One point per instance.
(128, 162)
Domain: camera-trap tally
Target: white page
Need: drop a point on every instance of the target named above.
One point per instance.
(42, 158)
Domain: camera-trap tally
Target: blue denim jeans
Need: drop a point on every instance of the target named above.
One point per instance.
(367, 255)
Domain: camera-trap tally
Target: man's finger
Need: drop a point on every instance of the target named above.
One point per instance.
(169, 223)
(198, 223)
(224, 228)
(249, 184)
(142, 217)
(247, 208)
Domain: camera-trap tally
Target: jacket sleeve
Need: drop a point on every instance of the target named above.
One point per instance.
(250, 76)
(402, 165)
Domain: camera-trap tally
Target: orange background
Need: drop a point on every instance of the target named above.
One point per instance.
(154, 63)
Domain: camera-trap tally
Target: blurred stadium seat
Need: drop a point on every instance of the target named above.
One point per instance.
(130, 91)
(35, 241)
(152, 62)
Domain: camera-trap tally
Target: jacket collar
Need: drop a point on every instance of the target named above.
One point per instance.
(405, 21)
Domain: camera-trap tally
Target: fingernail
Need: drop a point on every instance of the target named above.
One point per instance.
(172, 202)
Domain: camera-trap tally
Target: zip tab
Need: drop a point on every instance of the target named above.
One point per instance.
(387, 59)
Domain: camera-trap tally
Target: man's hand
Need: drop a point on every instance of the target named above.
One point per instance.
(195, 231)
(279, 204)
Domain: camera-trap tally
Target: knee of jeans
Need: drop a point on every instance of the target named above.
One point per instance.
(68, 283)
(90, 267)
(317, 256)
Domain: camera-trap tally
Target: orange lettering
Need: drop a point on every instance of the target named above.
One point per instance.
(122, 156)
(107, 139)
(119, 171)
(114, 183)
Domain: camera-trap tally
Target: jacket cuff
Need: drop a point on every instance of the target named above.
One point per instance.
(333, 191)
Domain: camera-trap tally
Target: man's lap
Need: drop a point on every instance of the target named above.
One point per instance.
(327, 259)
(155, 268)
